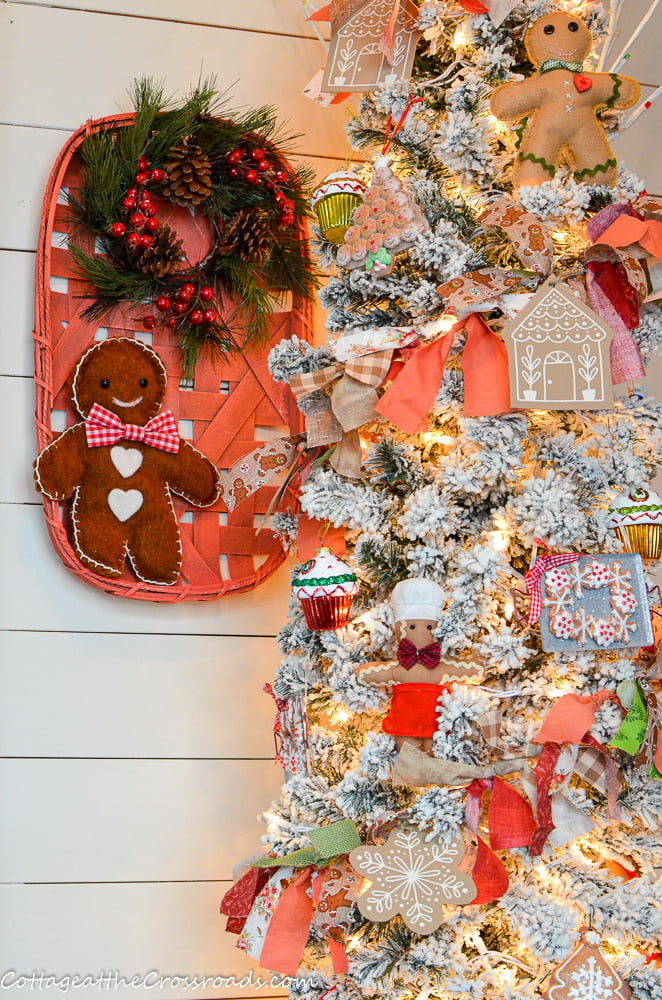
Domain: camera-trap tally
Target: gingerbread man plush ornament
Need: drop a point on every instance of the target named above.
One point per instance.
(418, 677)
(120, 464)
(558, 105)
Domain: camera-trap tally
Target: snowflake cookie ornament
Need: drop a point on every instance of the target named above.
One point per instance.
(587, 975)
(413, 878)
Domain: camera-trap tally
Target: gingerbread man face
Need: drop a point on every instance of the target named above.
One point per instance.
(558, 36)
(124, 377)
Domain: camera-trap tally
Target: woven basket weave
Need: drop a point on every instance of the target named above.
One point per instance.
(230, 407)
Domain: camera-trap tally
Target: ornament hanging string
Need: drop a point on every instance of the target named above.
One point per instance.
(389, 135)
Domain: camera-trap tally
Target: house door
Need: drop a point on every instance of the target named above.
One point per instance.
(559, 377)
(369, 65)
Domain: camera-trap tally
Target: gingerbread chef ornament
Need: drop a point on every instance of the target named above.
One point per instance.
(417, 678)
(120, 463)
(557, 106)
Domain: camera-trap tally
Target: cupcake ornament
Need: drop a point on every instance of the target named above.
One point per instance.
(637, 519)
(325, 586)
(334, 201)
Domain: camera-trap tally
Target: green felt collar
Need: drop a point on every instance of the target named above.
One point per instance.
(549, 64)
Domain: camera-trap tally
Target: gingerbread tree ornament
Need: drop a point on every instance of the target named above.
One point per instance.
(587, 975)
(387, 222)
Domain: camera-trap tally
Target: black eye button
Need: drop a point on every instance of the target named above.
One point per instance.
(573, 26)
(429, 628)
(104, 383)
(412, 627)
(549, 29)
(142, 383)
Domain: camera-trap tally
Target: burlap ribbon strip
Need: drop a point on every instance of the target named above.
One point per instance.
(336, 419)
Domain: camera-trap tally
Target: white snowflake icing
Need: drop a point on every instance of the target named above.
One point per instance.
(413, 878)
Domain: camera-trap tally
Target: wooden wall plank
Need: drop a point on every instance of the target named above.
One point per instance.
(130, 820)
(171, 928)
(85, 64)
(279, 16)
(38, 594)
(125, 696)
(16, 313)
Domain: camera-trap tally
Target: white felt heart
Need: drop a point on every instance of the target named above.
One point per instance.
(126, 460)
(125, 503)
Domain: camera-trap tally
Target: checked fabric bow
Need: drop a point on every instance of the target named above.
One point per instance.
(103, 428)
(408, 655)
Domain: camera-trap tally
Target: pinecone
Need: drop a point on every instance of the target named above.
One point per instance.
(163, 256)
(245, 234)
(188, 174)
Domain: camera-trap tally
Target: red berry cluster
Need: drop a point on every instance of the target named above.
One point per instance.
(254, 168)
(137, 203)
(186, 304)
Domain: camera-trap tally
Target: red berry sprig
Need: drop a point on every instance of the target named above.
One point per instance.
(141, 212)
(188, 305)
(255, 169)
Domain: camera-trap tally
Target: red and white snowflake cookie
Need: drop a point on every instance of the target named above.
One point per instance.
(563, 626)
(604, 631)
(596, 575)
(624, 600)
(557, 579)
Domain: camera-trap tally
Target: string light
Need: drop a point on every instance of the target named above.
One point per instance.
(500, 540)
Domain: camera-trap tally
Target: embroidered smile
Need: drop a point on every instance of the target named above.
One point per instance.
(132, 402)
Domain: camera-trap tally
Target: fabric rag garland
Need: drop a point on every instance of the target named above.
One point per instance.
(290, 733)
(314, 887)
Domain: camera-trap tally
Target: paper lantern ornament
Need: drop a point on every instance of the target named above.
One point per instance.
(596, 602)
(412, 877)
(587, 975)
(373, 43)
(637, 519)
(558, 351)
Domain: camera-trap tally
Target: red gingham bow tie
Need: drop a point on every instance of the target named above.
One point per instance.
(103, 427)
(408, 655)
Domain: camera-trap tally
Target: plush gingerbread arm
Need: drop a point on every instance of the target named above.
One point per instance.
(376, 673)
(58, 470)
(193, 476)
(515, 100)
(613, 90)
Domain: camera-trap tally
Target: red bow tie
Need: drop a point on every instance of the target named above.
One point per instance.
(408, 655)
(103, 427)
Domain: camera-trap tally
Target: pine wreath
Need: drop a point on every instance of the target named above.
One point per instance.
(229, 169)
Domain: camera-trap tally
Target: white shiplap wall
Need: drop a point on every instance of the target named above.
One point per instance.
(135, 742)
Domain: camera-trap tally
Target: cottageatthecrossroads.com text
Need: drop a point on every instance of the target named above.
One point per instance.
(152, 980)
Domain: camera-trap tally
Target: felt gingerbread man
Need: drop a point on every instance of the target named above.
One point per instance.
(119, 465)
(416, 678)
(558, 105)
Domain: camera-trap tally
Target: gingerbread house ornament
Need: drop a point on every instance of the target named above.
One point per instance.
(372, 44)
(558, 352)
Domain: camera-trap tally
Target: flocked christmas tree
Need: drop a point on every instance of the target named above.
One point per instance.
(471, 762)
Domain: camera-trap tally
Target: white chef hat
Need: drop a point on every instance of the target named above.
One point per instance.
(417, 598)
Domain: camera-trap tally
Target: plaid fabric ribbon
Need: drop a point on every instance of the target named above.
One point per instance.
(103, 428)
(371, 369)
(533, 576)
(408, 655)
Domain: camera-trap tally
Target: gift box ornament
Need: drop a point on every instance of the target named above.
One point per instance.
(636, 517)
(595, 602)
(334, 201)
(325, 586)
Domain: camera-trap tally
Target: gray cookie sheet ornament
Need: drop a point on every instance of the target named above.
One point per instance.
(597, 602)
